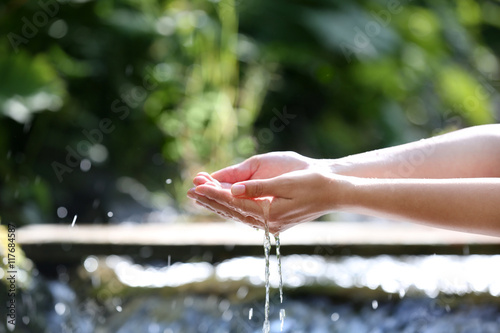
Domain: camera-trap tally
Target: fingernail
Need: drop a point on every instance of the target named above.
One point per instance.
(238, 189)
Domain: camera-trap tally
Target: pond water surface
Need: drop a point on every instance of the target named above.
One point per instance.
(337, 294)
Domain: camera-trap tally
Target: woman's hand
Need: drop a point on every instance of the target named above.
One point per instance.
(297, 196)
(261, 167)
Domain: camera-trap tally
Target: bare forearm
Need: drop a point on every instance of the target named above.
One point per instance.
(471, 205)
(467, 153)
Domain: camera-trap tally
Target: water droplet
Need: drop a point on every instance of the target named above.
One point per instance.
(62, 212)
(335, 316)
(282, 318)
(98, 153)
(110, 214)
(119, 308)
(168, 181)
(374, 304)
(85, 165)
(60, 308)
(58, 29)
(74, 220)
(250, 314)
(224, 305)
(91, 264)
(242, 292)
(227, 315)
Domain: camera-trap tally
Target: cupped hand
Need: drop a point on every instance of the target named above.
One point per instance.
(203, 182)
(264, 166)
(297, 196)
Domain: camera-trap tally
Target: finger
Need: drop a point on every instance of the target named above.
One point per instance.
(236, 173)
(260, 188)
(203, 177)
(224, 197)
(227, 213)
(212, 209)
(191, 193)
(200, 180)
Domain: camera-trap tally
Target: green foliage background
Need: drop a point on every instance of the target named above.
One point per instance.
(185, 86)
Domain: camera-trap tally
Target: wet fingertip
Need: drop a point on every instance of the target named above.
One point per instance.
(203, 174)
(208, 184)
(203, 188)
(198, 180)
(191, 193)
(199, 190)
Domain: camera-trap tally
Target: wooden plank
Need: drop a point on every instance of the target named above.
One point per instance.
(217, 241)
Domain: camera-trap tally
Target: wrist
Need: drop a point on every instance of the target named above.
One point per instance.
(340, 166)
(342, 191)
(329, 166)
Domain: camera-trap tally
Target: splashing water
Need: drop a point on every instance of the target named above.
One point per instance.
(74, 220)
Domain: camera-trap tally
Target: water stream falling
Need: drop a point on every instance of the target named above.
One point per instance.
(266, 204)
(267, 249)
(278, 256)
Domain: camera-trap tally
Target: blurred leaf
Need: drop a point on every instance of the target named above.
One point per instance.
(33, 86)
(465, 95)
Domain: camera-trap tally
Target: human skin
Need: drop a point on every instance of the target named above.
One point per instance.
(450, 181)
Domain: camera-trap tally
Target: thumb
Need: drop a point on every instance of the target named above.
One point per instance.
(235, 173)
(255, 188)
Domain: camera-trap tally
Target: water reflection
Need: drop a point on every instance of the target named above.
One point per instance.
(428, 275)
(135, 275)
(337, 294)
